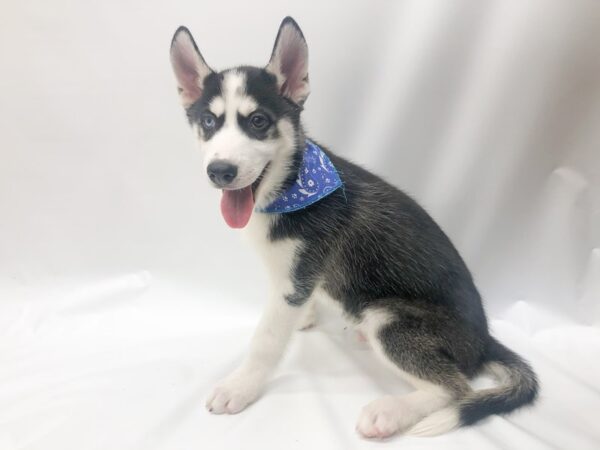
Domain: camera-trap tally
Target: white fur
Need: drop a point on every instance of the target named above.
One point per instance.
(309, 317)
(247, 106)
(391, 414)
(232, 144)
(448, 418)
(250, 156)
(278, 166)
(437, 423)
(499, 372)
(270, 339)
(278, 256)
(425, 411)
(274, 330)
(380, 418)
(217, 106)
(234, 93)
(372, 321)
(279, 259)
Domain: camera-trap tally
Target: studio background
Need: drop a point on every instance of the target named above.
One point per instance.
(124, 297)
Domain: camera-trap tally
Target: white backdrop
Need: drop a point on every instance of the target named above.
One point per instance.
(123, 295)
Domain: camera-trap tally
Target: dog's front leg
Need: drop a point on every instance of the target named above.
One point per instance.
(245, 384)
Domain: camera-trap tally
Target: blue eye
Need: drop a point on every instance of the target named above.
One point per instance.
(208, 121)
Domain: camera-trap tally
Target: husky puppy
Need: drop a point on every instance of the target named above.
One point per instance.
(328, 228)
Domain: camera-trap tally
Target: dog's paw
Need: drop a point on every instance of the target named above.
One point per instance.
(232, 395)
(380, 419)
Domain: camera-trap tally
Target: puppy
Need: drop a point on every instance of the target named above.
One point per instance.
(327, 228)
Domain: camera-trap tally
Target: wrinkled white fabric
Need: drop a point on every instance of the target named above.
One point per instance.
(124, 297)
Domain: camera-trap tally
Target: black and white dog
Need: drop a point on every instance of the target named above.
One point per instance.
(330, 229)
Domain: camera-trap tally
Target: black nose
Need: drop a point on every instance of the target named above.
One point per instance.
(221, 173)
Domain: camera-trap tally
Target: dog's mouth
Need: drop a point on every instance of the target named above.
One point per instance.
(237, 204)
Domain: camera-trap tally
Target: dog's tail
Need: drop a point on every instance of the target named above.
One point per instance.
(518, 386)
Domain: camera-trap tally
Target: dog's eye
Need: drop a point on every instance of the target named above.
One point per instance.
(208, 121)
(259, 121)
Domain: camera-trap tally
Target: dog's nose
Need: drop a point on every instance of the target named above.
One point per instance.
(221, 173)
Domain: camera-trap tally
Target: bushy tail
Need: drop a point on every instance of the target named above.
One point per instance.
(518, 386)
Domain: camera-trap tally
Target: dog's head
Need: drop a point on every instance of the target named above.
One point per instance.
(246, 118)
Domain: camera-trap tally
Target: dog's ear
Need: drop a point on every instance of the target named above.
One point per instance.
(189, 66)
(289, 62)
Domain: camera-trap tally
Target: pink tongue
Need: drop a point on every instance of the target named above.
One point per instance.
(237, 206)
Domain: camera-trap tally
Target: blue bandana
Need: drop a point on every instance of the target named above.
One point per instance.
(317, 178)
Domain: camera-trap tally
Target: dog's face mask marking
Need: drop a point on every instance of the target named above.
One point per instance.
(246, 118)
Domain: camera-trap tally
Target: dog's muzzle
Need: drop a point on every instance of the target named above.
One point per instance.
(221, 173)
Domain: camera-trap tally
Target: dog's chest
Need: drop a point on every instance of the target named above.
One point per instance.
(278, 256)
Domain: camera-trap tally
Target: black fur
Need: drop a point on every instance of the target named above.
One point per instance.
(211, 89)
(260, 85)
(522, 387)
(372, 246)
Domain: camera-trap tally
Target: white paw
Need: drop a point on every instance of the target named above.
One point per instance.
(381, 418)
(232, 395)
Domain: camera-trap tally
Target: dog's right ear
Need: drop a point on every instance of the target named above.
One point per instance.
(189, 66)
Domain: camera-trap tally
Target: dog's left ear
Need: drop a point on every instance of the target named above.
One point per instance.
(289, 62)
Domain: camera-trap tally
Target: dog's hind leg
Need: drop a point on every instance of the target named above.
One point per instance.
(413, 352)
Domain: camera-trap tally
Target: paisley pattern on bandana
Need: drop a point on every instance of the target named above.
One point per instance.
(317, 178)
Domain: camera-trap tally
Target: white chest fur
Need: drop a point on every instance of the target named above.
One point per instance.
(278, 256)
